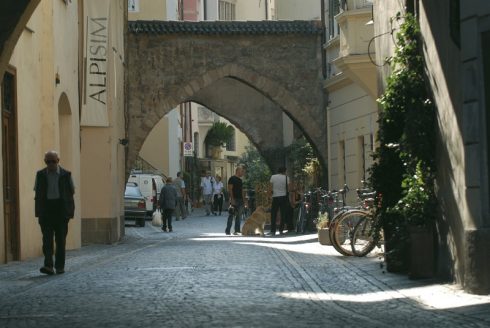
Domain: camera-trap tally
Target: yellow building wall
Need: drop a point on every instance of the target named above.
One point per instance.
(47, 46)
(352, 116)
(149, 10)
(102, 156)
(155, 149)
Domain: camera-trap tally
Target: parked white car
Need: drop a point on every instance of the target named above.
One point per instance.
(150, 186)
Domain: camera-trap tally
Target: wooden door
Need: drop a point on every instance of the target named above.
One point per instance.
(10, 170)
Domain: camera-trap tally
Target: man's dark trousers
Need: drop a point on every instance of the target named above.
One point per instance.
(54, 225)
(280, 203)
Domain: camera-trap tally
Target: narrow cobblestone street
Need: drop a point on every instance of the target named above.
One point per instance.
(197, 276)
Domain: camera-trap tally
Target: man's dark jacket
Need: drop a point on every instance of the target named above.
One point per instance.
(65, 188)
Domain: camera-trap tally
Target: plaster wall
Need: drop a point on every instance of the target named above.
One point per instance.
(102, 156)
(149, 10)
(352, 118)
(301, 10)
(454, 74)
(155, 150)
(251, 10)
(49, 40)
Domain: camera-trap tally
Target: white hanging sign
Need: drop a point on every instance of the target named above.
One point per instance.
(96, 50)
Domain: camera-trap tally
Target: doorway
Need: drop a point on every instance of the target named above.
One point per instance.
(10, 168)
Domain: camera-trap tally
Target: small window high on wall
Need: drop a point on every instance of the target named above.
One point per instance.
(227, 11)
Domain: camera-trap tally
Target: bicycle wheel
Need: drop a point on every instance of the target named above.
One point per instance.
(363, 241)
(343, 229)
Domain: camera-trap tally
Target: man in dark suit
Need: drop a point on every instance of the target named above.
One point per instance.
(55, 206)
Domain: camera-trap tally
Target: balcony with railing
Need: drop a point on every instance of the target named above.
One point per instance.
(355, 34)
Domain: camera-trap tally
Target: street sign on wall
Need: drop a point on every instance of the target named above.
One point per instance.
(188, 149)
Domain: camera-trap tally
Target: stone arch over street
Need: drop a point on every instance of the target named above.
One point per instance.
(247, 72)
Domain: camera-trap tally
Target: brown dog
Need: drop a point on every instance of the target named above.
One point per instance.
(256, 222)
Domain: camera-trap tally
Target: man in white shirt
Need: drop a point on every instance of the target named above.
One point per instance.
(279, 191)
(218, 196)
(207, 188)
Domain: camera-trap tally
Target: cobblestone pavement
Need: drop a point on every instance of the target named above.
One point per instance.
(197, 276)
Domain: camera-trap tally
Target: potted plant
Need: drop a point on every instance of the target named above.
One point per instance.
(218, 135)
(322, 224)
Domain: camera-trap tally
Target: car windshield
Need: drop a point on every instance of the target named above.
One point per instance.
(132, 191)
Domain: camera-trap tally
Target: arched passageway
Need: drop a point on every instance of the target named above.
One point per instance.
(248, 72)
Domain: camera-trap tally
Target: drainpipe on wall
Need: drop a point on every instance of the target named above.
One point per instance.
(266, 9)
(181, 10)
(324, 39)
(205, 9)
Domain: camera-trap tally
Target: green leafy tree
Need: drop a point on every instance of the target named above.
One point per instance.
(219, 134)
(257, 170)
(303, 162)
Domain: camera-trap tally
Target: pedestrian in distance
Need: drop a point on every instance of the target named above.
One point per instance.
(278, 190)
(237, 200)
(207, 187)
(180, 210)
(54, 207)
(167, 204)
(218, 196)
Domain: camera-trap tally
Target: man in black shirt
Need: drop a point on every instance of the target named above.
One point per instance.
(235, 190)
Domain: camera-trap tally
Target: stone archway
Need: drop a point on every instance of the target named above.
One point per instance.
(221, 98)
(13, 18)
(173, 62)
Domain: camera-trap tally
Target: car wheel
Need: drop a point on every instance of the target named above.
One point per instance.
(141, 222)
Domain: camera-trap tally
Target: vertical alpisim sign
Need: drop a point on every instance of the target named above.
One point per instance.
(96, 33)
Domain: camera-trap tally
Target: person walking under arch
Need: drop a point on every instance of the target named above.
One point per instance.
(237, 201)
(218, 196)
(279, 191)
(167, 203)
(207, 187)
(180, 209)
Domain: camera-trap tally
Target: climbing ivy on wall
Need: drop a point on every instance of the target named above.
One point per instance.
(404, 169)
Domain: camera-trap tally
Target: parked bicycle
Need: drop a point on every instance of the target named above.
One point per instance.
(365, 236)
(342, 227)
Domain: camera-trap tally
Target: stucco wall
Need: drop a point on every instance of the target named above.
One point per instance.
(454, 75)
(293, 9)
(155, 148)
(50, 40)
(149, 10)
(102, 156)
(352, 115)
